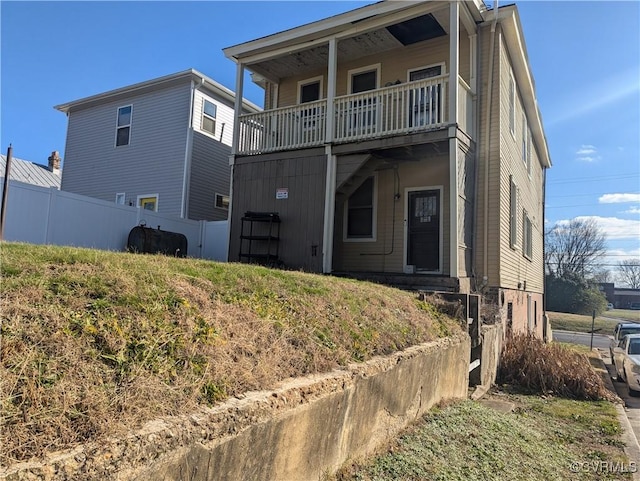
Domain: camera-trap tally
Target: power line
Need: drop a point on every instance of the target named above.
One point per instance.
(595, 178)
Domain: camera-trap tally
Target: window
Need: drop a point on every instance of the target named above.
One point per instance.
(123, 125)
(209, 111)
(222, 201)
(512, 105)
(309, 90)
(513, 219)
(148, 202)
(524, 138)
(362, 117)
(360, 211)
(529, 152)
(425, 102)
(120, 198)
(527, 235)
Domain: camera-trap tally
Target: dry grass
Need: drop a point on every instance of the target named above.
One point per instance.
(96, 343)
(550, 369)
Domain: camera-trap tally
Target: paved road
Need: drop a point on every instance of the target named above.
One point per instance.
(599, 340)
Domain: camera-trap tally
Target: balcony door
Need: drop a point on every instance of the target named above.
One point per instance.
(362, 118)
(425, 101)
(423, 231)
(310, 90)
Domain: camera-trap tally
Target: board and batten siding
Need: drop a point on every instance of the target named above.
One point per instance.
(386, 253)
(255, 182)
(152, 163)
(515, 268)
(209, 164)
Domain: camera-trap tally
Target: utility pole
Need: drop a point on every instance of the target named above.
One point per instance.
(5, 191)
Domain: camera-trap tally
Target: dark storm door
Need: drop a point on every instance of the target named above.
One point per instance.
(423, 230)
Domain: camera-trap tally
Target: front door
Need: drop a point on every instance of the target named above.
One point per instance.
(423, 230)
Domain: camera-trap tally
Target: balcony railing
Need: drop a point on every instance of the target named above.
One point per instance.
(399, 109)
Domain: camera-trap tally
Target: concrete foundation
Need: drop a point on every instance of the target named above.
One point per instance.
(304, 429)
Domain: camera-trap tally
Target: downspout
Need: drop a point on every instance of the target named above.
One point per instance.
(476, 156)
(187, 152)
(485, 260)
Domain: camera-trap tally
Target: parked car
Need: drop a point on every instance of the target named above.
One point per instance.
(626, 359)
(609, 306)
(621, 330)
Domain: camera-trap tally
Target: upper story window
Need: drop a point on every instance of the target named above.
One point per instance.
(529, 152)
(362, 82)
(513, 216)
(209, 112)
(309, 90)
(524, 138)
(222, 201)
(527, 235)
(512, 105)
(360, 211)
(123, 125)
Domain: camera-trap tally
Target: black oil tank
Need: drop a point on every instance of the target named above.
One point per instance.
(155, 241)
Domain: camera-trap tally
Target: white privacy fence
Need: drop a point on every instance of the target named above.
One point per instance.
(40, 215)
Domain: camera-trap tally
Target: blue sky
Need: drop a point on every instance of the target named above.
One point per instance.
(585, 58)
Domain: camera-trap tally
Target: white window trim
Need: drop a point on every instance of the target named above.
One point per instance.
(368, 68)
(115, 140)
(122, 195)
(374, 221)
(215, 201)
(215, 119)
(512, 105)
(443, 70)
(529, 145)
(405, 266)
(146, 196)
(524, 138)
(301, 83)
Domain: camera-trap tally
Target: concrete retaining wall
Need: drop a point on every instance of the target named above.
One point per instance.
(488, 351)
(302, 430)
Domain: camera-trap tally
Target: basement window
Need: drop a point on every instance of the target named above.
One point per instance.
(222, 201)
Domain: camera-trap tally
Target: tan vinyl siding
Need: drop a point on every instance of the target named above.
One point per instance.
(152, 163)
(394, 66)
(515, 268)
(492, 222)
(254, 189)
(430, 172)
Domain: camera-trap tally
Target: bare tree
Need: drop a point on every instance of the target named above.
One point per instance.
(572, 249)
(629, 273)
(603, 275)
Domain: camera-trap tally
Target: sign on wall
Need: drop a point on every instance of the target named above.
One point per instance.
(282, 193)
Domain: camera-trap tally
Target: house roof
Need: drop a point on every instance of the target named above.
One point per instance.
(30, 173)
(149, 85)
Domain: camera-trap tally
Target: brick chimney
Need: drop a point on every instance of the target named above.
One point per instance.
(54, 162)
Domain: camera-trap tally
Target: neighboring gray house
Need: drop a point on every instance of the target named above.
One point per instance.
(161, 145)
(31, 173)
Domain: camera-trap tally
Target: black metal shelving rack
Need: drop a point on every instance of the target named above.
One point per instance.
(260, 238)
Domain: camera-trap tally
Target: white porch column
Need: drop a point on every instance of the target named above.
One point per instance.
(237, 108)
(330, 184)
(454, 60)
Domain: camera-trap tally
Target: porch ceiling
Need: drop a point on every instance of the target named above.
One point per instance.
(362, 44)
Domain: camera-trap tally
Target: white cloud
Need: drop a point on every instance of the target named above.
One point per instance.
(613, 227)
(619, 198)
(632, 210)
(587, 153)
(586, 150)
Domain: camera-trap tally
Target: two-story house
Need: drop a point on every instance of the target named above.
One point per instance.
(400, 142)
(161, 145)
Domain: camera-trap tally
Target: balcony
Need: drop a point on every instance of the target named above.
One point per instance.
(395, 110)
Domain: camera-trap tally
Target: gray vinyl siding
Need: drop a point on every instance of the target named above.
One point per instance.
(210, 174)
(152, 163)
(254, 189)
(224, 117)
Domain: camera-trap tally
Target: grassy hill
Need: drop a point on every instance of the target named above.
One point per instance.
(95, 343)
